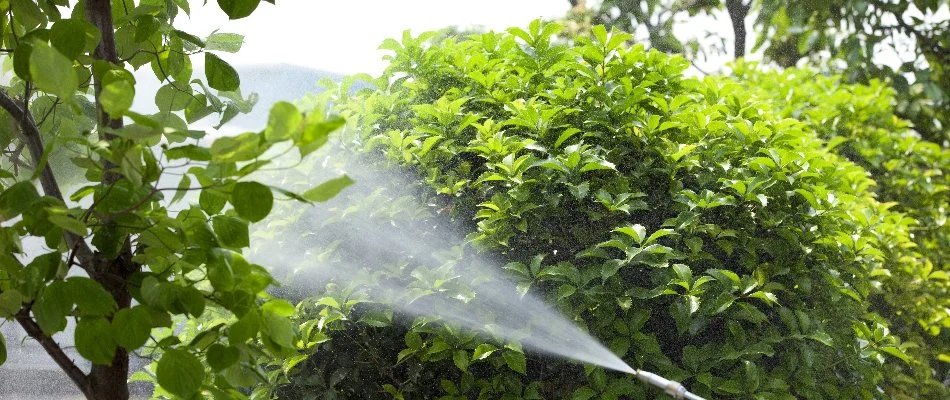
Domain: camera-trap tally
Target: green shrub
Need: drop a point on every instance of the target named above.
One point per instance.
(913, 174)
(689, 224)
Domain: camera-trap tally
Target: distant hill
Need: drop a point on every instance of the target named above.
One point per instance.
(272, 83)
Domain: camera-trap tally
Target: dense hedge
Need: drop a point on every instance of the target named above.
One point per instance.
(912, 174)
(711, 230)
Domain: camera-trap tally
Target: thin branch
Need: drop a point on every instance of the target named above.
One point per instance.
(34, 142)
(55, 351)
(50, 111)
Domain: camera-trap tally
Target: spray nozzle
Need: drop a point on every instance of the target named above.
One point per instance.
(672, 388)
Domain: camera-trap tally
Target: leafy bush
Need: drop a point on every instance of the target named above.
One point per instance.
(912, 174)
(689, 224)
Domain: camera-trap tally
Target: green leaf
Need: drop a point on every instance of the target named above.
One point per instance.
(211, 200)
(767, 297)
(220, 356)
(68, 223)
(90, 297)
(183, 185)
(316, 132)
(228, 42)
(10, 303)
(117, 96)
(237, 9)
(610, 268)
(69, 37)
(21, 60)
(172, 98)
(192, 300)
(460, 358)
(483, 350)
(190, 151)
(94, 340)
(565, 291)
(583, 393)
(896, 352)
(243, 147)
(683, 272)
(327, 190)
(279, 330)
(187, 36)
(244, 329)
(251, 200)
(283, 122)
(567, 134)
(516, 361)
(279, 307)
(47, 265)
(231, 231)
(636, 231)
(3, 349)
(52, 307)
(16, 199)
(131, 327)
(221, 75)
(725, 276)
(52, 72)
(378, 319)
(180, 373)
(598, 165)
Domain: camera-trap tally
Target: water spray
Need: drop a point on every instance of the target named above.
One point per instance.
(374, 240)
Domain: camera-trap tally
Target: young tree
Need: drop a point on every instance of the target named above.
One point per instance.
(121, 258)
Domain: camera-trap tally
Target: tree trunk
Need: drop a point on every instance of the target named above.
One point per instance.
(110, 382)
(737, 13)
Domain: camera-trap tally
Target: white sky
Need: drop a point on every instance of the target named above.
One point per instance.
(343, 36)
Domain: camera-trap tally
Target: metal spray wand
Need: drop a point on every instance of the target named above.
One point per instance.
(672, 388)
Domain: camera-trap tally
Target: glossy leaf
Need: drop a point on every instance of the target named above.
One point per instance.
(237, 9)
(221, 75)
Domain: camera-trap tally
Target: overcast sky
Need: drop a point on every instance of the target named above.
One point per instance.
(343, 36)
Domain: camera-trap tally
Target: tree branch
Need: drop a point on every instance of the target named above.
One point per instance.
(55, 351)
(34, 142)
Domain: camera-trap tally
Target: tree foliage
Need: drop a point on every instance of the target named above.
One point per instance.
(764, 235)
(849, 37)
(122, 256)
